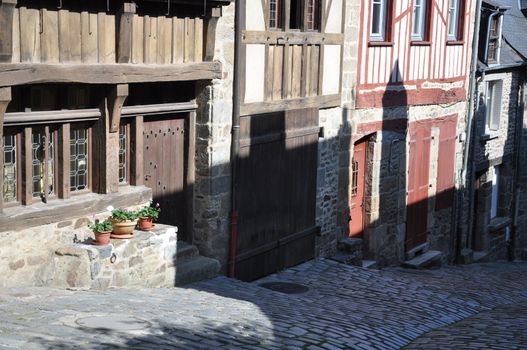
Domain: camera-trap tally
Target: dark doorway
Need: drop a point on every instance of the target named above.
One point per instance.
(164, 166)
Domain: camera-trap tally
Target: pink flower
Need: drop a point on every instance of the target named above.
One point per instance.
(125, 209)
(157, 205)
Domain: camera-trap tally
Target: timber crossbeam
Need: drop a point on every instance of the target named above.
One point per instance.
(30, 73)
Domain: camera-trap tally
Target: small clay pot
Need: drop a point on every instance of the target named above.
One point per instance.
(102, 238)
(145, 224)
(123, 228)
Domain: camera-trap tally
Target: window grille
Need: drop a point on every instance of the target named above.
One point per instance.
(42, 163)
(354, 177)
(275, 10)
(79, 159)
(10, 171)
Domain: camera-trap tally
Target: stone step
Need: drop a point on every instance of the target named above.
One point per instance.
(196, 269)
(430, 259)
(350, 245)
(480, 256)
(185, 251)
(369, 264)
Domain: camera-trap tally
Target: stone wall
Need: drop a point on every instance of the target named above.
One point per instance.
(213, 140)
(27, 255)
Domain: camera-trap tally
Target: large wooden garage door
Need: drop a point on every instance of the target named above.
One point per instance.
(277, 192)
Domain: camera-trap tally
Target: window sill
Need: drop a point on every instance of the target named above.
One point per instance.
(498, 223)
(22, 217)
(380, 43)
(455, 42)
(420, 43)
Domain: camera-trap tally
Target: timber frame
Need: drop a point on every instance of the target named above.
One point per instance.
(293, 72)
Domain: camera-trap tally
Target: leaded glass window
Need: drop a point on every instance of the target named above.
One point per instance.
(123, 140)
(42, 163)
(79, 159)
(275, 11)
(9, 171)
(313, 15)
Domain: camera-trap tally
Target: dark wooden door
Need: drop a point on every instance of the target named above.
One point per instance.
(277, 192)
(418, 184)
(164, 167)
(358, 172)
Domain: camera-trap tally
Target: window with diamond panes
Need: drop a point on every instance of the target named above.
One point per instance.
(123, 148)
(10, 168)
(43, 162)
(79, 142)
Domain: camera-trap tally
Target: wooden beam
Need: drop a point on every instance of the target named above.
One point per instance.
(210, 33)
(326, 101)
(116, 99)
(19, 74)
(64, 161)
(5, 98)
(27, 167)
(292, 38)
(136, 152)
(124, 41)
(7, 9)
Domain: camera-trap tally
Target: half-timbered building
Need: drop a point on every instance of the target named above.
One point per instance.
(408, 116)
(98, 108)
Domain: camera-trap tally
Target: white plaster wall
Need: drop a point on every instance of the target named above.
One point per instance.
(254, 15)
(334, 23)
(254, 73)
(331, 77)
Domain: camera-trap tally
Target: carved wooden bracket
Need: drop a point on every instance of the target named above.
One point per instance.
(7, 8)
(210, 33)
(5, 98)
(116, 100)
(124, 43)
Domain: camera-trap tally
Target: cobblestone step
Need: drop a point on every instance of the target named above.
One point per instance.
(370, 264)
(185, 251)
(196, 269)
(431, 258)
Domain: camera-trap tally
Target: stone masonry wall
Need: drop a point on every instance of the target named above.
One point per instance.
(213, 140)
(27, 256)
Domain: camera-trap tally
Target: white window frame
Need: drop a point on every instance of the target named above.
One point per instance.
(495, 192)
(453, 17)
(420, 34)
(493, 104)
(380, 33)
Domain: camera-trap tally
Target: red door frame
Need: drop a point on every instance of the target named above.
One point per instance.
(358, 174)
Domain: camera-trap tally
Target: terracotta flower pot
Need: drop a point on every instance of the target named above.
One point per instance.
(124, 228)
(145, 224)
(102, 238)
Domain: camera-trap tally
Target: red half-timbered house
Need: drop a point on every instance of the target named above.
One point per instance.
(410, 102)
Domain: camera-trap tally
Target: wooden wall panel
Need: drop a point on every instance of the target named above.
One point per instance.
(16, 36)
(150, 39)
(198, 40)
(188, 55)
(278, 64)
(296, 73)
(138, 39)
(164, 41)
(49, 38)
(89, 35)
(29, 35)
(106, 37)
(178, 43)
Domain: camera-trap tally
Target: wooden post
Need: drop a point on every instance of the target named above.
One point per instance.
(118, 95)
(64, 161)
(27, 167)
(210, 35)
(190, 176)
(124, 44)
(7, 9)
(136, 152)
(5, 98)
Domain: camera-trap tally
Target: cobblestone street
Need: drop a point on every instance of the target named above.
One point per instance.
(475, 306)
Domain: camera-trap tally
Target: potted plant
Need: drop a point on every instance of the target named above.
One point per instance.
(101, 230)
(123, 222)
(147, 216)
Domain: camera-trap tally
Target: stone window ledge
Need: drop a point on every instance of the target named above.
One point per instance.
(22, 217)
(498, 223)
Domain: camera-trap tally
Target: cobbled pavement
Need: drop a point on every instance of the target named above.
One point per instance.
(474, 307)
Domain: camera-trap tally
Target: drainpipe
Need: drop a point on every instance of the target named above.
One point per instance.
(518, 134)
(235, 132)
(470, 134)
